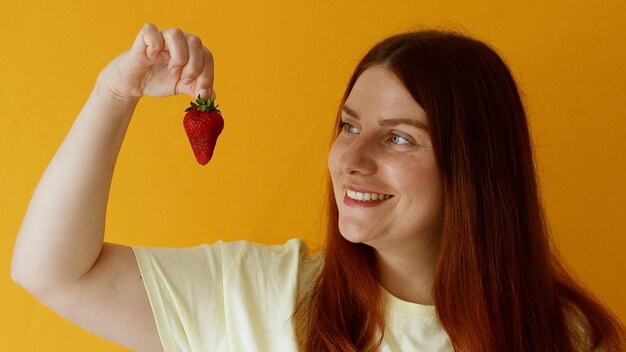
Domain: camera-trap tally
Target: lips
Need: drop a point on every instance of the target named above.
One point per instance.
(367, 197)
(361, 197)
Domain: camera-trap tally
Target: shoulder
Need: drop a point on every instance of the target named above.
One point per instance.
(290, 259)
(228, 251)
(294, 251)
(226, 291)
(230, 258)
(292, 247)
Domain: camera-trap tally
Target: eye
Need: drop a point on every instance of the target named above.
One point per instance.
(396, 139)
(346, 127)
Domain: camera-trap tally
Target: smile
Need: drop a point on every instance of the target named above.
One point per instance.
(367, 197)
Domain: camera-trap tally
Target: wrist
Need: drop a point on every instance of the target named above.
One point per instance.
(109, 104)
(111, 84)
(106, 91)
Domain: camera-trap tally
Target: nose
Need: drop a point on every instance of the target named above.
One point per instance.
(358, 157)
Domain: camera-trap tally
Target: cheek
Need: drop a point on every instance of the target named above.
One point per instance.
(429, 186)
(416, 177)
(334, 169)
(333, 160)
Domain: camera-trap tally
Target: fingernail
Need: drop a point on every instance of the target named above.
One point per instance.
(150, 52)
(203, 93)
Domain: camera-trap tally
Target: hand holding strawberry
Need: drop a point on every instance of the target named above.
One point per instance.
(164, 63)
(203, 124)
(159, 64)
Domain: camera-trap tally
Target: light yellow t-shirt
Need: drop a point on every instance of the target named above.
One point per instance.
(240, 296)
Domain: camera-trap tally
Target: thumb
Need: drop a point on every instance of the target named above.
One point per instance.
(149, 42)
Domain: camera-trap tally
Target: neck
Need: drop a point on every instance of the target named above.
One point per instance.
(409, 273)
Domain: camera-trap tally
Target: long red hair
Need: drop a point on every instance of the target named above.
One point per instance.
(499, 286)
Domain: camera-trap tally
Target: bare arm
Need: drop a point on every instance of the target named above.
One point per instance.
(59, 254)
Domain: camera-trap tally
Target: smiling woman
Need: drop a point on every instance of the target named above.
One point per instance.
(433, 122)
(436, 236)
(380, 151)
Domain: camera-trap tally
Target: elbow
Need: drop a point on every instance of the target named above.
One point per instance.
(16, 270)
(26, 270)
(30, 282)
(39, 278)
(14, 275)
(24, 276)
(19, 263)
(18, 274)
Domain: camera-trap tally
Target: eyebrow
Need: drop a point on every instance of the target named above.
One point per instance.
(389, 122)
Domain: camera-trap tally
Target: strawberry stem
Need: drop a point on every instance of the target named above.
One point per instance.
(202, 105)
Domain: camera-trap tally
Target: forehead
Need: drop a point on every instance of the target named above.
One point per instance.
(380, 94)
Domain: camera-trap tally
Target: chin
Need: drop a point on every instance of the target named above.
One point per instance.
(354, 234)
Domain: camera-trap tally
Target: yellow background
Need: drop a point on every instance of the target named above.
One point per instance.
(281, 67)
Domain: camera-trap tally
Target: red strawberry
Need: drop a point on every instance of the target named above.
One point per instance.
(203, 124)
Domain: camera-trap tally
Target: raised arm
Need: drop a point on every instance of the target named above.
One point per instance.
(59, 254)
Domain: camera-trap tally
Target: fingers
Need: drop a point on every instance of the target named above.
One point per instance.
(195, 59)
(149, 41)
(187, 59)
(176, 44)
(204, 82)
(192, 60)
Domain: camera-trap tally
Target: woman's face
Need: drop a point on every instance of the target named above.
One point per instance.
(383, 168)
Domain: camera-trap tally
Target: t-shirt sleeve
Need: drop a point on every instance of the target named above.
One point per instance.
(225, 296)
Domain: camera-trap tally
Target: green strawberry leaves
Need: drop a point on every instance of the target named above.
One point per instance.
(202, 105)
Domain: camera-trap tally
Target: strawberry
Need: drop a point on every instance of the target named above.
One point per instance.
(203, 124)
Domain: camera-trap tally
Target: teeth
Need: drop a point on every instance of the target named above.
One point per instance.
(365, 197)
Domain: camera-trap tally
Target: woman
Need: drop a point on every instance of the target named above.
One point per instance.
(436, 237)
